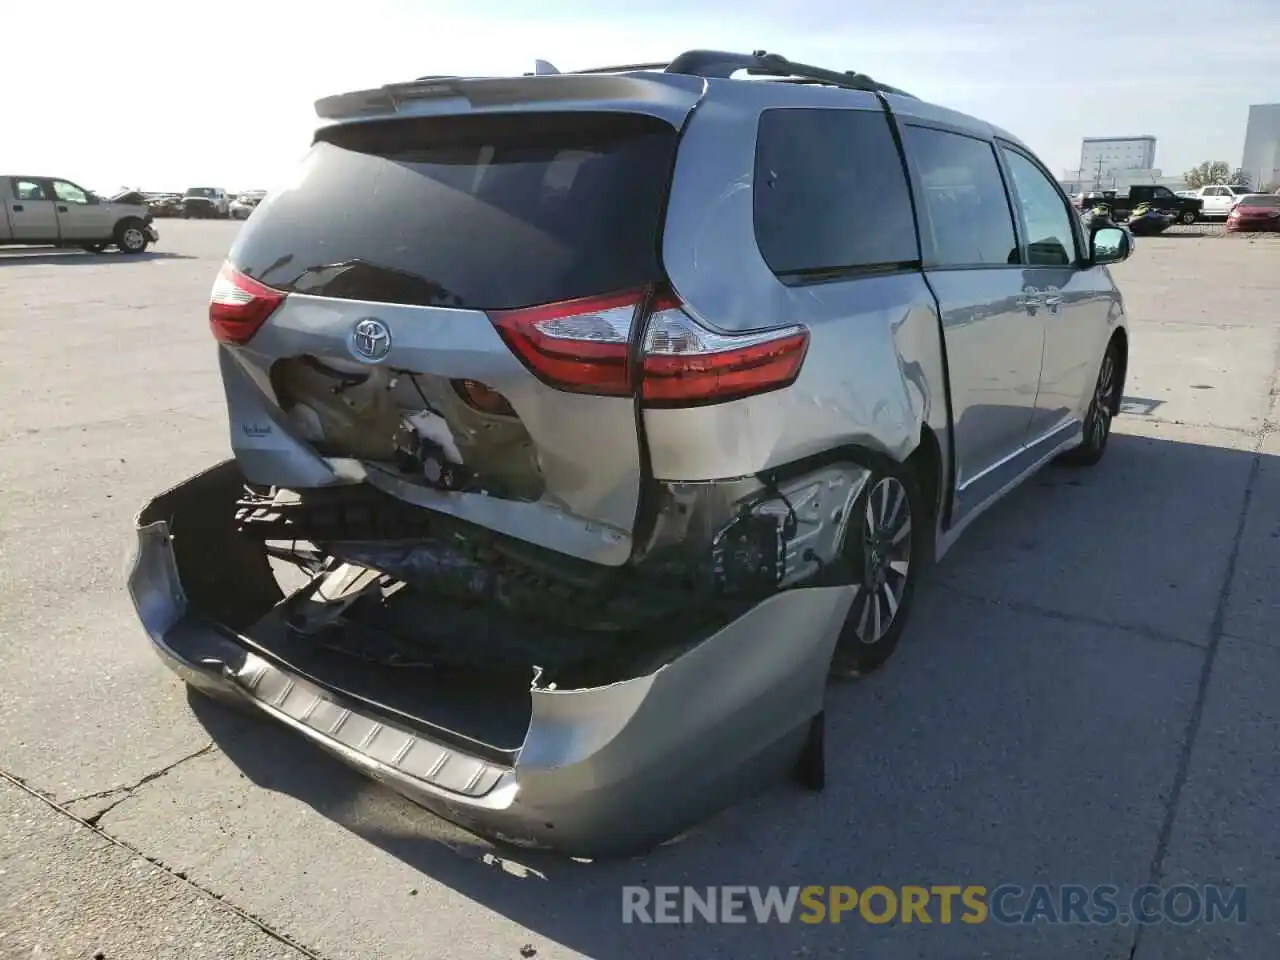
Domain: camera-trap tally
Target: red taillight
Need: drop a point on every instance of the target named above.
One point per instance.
(685, 363)
(583, 346)
(239, 305)
(578, 345)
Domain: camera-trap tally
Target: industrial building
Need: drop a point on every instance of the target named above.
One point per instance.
(1103, 156)
(1262, 146)
(1116, 163)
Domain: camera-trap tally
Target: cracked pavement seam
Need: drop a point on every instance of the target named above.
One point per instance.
(1019, 606)
(128, 789)
(262, 925)
(1216, 633)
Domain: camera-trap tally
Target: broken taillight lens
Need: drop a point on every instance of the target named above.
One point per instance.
(239, 305)
(482, 397)
(583, 346)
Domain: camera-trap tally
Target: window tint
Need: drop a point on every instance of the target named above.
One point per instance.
(1164, 193)
(28, 190)
(485, 212)
(69, 192)
(1050, 240)
(964, 209)
(830, 192)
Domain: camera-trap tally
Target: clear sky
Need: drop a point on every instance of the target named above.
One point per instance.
(170, 95)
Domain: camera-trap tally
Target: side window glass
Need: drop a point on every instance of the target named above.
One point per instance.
(830, 192)
(964, 210)
(69, 192)
(1050, 240)
(28, 190)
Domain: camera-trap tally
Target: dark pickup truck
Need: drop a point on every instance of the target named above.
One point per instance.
(1186, 210)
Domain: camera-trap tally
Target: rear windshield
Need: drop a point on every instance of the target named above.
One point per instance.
(488, 212)
(1260, 201)
(200, 192)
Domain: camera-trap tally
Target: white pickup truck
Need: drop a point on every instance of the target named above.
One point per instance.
(1219, 199)
(46, 211)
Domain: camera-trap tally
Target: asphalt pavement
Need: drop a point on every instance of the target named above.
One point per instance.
(1086, 695)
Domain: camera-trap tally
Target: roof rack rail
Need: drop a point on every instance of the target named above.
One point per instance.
(723, 65)
(624, 68)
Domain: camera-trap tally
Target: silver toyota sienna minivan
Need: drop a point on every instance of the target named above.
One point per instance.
(584, 425)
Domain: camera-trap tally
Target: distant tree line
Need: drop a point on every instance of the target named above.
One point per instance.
(1214, 173)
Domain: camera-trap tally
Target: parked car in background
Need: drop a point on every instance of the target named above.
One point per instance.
(627, 458)
(165, 204)
(1256, 213)
(48, 211)
(206, 202)
(246, 203)
(1218, 199)
(1184, 210)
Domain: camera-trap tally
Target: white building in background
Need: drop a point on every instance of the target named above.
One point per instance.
(1262, 145)
(1100, 156)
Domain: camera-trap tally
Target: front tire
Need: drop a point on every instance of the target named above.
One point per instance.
(885, 548)
(1102, 408)
(131, 237)
(1187, 218)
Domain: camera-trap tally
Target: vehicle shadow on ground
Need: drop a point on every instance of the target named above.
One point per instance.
(81, 258)
(962, 762)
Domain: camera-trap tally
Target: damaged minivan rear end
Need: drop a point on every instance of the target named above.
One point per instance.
(537, 513)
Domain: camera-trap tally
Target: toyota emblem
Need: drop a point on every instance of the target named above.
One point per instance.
(370, 340)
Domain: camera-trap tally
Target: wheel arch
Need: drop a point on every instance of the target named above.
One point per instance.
(127, 220)
(1120, 339)
(927, 465)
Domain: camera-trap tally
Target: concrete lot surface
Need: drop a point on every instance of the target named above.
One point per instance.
(1087, 694)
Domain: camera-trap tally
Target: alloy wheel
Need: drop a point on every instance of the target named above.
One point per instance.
(132, 239)
(886, 560)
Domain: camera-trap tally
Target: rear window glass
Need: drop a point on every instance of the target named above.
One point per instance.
(830, 193)
(487, 212)
(1260, 201)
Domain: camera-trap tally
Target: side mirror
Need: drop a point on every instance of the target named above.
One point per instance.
(1109, 245)
(92, 198)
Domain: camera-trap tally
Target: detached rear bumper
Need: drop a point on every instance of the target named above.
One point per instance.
(601, 771)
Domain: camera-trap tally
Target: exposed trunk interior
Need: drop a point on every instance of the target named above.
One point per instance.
(407, 611)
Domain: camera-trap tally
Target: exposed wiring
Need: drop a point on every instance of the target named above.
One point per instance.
(418, 387)
(792, 523)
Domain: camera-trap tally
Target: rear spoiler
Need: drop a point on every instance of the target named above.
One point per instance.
(662, 95)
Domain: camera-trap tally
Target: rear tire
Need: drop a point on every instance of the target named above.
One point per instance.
(886, 549)
(131, 237)
(1102, 408)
